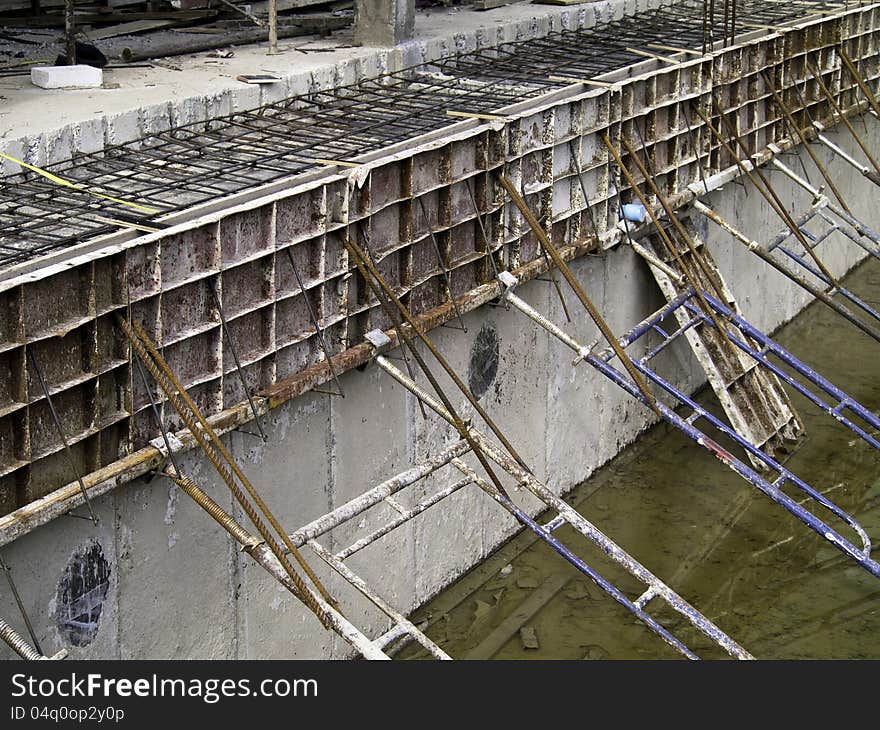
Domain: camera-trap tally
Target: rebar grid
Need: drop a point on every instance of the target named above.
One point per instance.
(194, 163)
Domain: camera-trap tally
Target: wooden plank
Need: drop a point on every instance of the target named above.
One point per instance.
(588, 82)
(563, 2)
(491, 4)
(537, 599)
(136, 26)
(472, 115)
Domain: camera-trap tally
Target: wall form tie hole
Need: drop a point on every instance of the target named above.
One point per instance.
(484, 360)
(81, 593)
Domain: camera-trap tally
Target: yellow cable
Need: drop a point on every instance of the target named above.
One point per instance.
(66, 183)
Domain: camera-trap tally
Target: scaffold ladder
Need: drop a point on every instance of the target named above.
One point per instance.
(689, 315)
(565, 515)
(753, 398)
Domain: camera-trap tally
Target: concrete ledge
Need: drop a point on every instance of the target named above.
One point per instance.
(149, 101)
(67, 77)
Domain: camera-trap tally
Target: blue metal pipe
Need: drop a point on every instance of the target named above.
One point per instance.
(610, 589)
(806, 371)
(862, 557)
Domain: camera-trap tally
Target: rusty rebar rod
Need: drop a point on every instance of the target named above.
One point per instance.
(567, 274)
(17, 643)
(668, 243)
(792, 122)
(857, 77)
(70, 31)
(213, 448)
(422, 335)
(261, 554)
(228, 335)
(673, 219)
(754, 173)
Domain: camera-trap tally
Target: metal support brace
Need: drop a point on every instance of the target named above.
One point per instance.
(862, 556)
(581, 525)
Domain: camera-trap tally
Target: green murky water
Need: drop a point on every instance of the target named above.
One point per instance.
(763, 577)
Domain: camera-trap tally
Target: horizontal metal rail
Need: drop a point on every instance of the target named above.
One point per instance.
(862, 556)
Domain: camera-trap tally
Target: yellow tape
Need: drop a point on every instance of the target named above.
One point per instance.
(67, 184)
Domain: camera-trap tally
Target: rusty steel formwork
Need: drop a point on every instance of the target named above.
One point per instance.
(432, 210)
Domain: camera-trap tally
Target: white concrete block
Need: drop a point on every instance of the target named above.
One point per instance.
(67, 77)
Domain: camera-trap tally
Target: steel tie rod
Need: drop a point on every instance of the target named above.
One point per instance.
(567, 274)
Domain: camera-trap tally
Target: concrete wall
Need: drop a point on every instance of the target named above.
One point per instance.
(178, 588)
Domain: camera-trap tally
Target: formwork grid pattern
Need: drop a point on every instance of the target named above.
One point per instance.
(442, 191)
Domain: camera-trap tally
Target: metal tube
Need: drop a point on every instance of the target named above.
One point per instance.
(678, 278)
(769, 346)
(404, 516)
(766, 190)
(357, 582)
(841, 153)
(843, 117)
(668, 243)
(363, 502)
(217, 453)
(273, 27)
(809, 150)
(315, 323)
